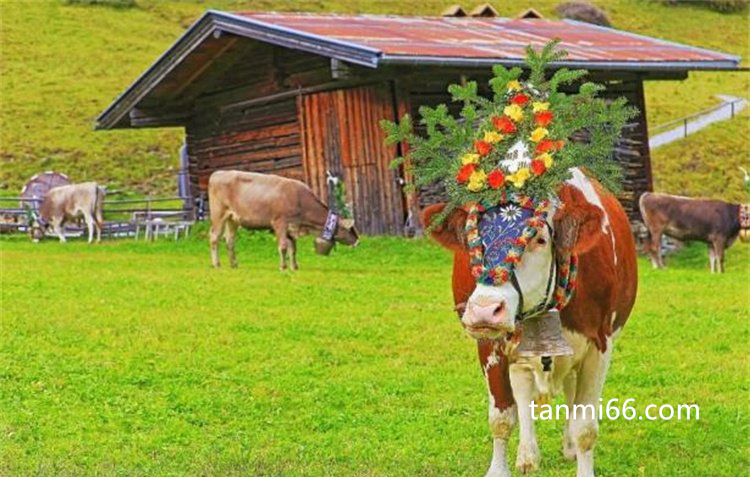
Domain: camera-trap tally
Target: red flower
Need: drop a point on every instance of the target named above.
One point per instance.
(482, 147)
(504, 124)
(543, 118)
(496, 179)
(520, 99)
(465, 172)
(545, 145)
(537, 167)
(559, 144)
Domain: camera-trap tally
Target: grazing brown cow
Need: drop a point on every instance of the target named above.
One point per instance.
(264, 201)
(714, 222)
(67, 202)
(591, 224)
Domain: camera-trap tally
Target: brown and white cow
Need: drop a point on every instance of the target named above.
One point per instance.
(714, 222)
(264, 201)
(590, 223)
(67, 202)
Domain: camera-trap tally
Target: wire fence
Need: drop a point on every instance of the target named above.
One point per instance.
(688, 123)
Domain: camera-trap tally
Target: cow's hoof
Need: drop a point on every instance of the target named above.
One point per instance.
(528, 458)
(234, 265)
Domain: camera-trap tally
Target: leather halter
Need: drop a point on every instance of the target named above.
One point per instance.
(544, 305)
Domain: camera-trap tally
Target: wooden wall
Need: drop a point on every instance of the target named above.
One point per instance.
(264, 138)
(341, 133)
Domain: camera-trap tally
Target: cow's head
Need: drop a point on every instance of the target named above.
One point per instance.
(491, 311)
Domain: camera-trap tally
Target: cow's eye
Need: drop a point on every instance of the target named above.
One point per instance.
(541, 241)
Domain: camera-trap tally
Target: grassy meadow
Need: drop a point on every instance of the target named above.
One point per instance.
(79, 58)
(137, 359)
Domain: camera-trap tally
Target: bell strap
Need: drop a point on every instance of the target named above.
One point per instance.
(329, 229)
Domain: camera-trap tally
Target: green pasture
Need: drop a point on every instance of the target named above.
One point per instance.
(137, 359)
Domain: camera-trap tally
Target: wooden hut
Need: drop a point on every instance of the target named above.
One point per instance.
(302, 94)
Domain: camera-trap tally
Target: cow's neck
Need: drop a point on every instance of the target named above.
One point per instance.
(315, 214)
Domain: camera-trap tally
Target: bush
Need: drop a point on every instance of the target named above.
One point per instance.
(723, 6)
(104, 3)
(583, 11)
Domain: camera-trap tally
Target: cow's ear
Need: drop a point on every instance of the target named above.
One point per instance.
(450, 232)
(577, 228)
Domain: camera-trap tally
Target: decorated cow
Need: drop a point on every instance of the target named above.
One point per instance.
(544, 268)
(265, 201)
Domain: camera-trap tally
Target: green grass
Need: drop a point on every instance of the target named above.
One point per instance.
(63, 64)
(137, 359)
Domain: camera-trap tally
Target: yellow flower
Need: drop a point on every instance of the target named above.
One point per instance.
(538, 134)
(537, 106)
(470, 158)
(477, 180)
(514, 86)
(493, 137)
(518, 178)
(546, 158)
(514, 112)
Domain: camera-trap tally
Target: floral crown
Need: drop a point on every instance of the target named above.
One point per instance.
(520, 141)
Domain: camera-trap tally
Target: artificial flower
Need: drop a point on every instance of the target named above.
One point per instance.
(537, 167)
(492, 137)
(477, 180)
(465, 172)
(559, 144)
(543, 118)
(539, 106)
(514, 86)
(504, 124)
(496, 179)
(518, 178)
(538, 134)
(520, 99)
(470, 158)
(482, 147)
(545, 145)
(546, 158)
(514, 112)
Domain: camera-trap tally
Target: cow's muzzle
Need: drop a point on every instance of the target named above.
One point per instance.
(484, 320)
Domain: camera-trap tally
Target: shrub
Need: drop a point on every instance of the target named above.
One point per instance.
(583, 11)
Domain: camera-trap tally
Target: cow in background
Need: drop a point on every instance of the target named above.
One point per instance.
(68, 202)
(714, 222)
(265, 201)
(591, 224)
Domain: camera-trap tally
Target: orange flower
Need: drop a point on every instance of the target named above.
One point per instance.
(520, 99)
(543, 118)
(537, 167)
(464, 173)
(482, 147)
(504, 124)
(545, 145)
(496, 179)
(559, 144)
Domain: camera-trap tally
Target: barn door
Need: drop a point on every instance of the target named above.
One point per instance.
(341, 133)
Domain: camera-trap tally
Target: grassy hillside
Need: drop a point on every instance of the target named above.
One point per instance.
(136, 359)
(62, 65)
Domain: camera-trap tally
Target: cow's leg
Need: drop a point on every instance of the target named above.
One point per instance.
(569, 386)
(584, 426)
(292, 252)
(280, 229)
(230, 233)
(217, 224)
(654, 249)
(719, 255)
(502, 410)
(57, 227)
(712, 257)
(524, 391)
(89, 225)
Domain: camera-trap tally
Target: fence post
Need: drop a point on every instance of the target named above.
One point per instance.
(732, 103)
(685, 121)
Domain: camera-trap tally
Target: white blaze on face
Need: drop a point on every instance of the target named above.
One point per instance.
(491, 310)
(582, 183)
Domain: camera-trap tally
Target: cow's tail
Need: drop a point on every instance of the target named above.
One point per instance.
(99, 207)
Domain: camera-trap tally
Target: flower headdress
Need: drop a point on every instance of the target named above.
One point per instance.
(519, 142)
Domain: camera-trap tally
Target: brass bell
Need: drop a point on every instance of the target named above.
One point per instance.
(542, 336)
